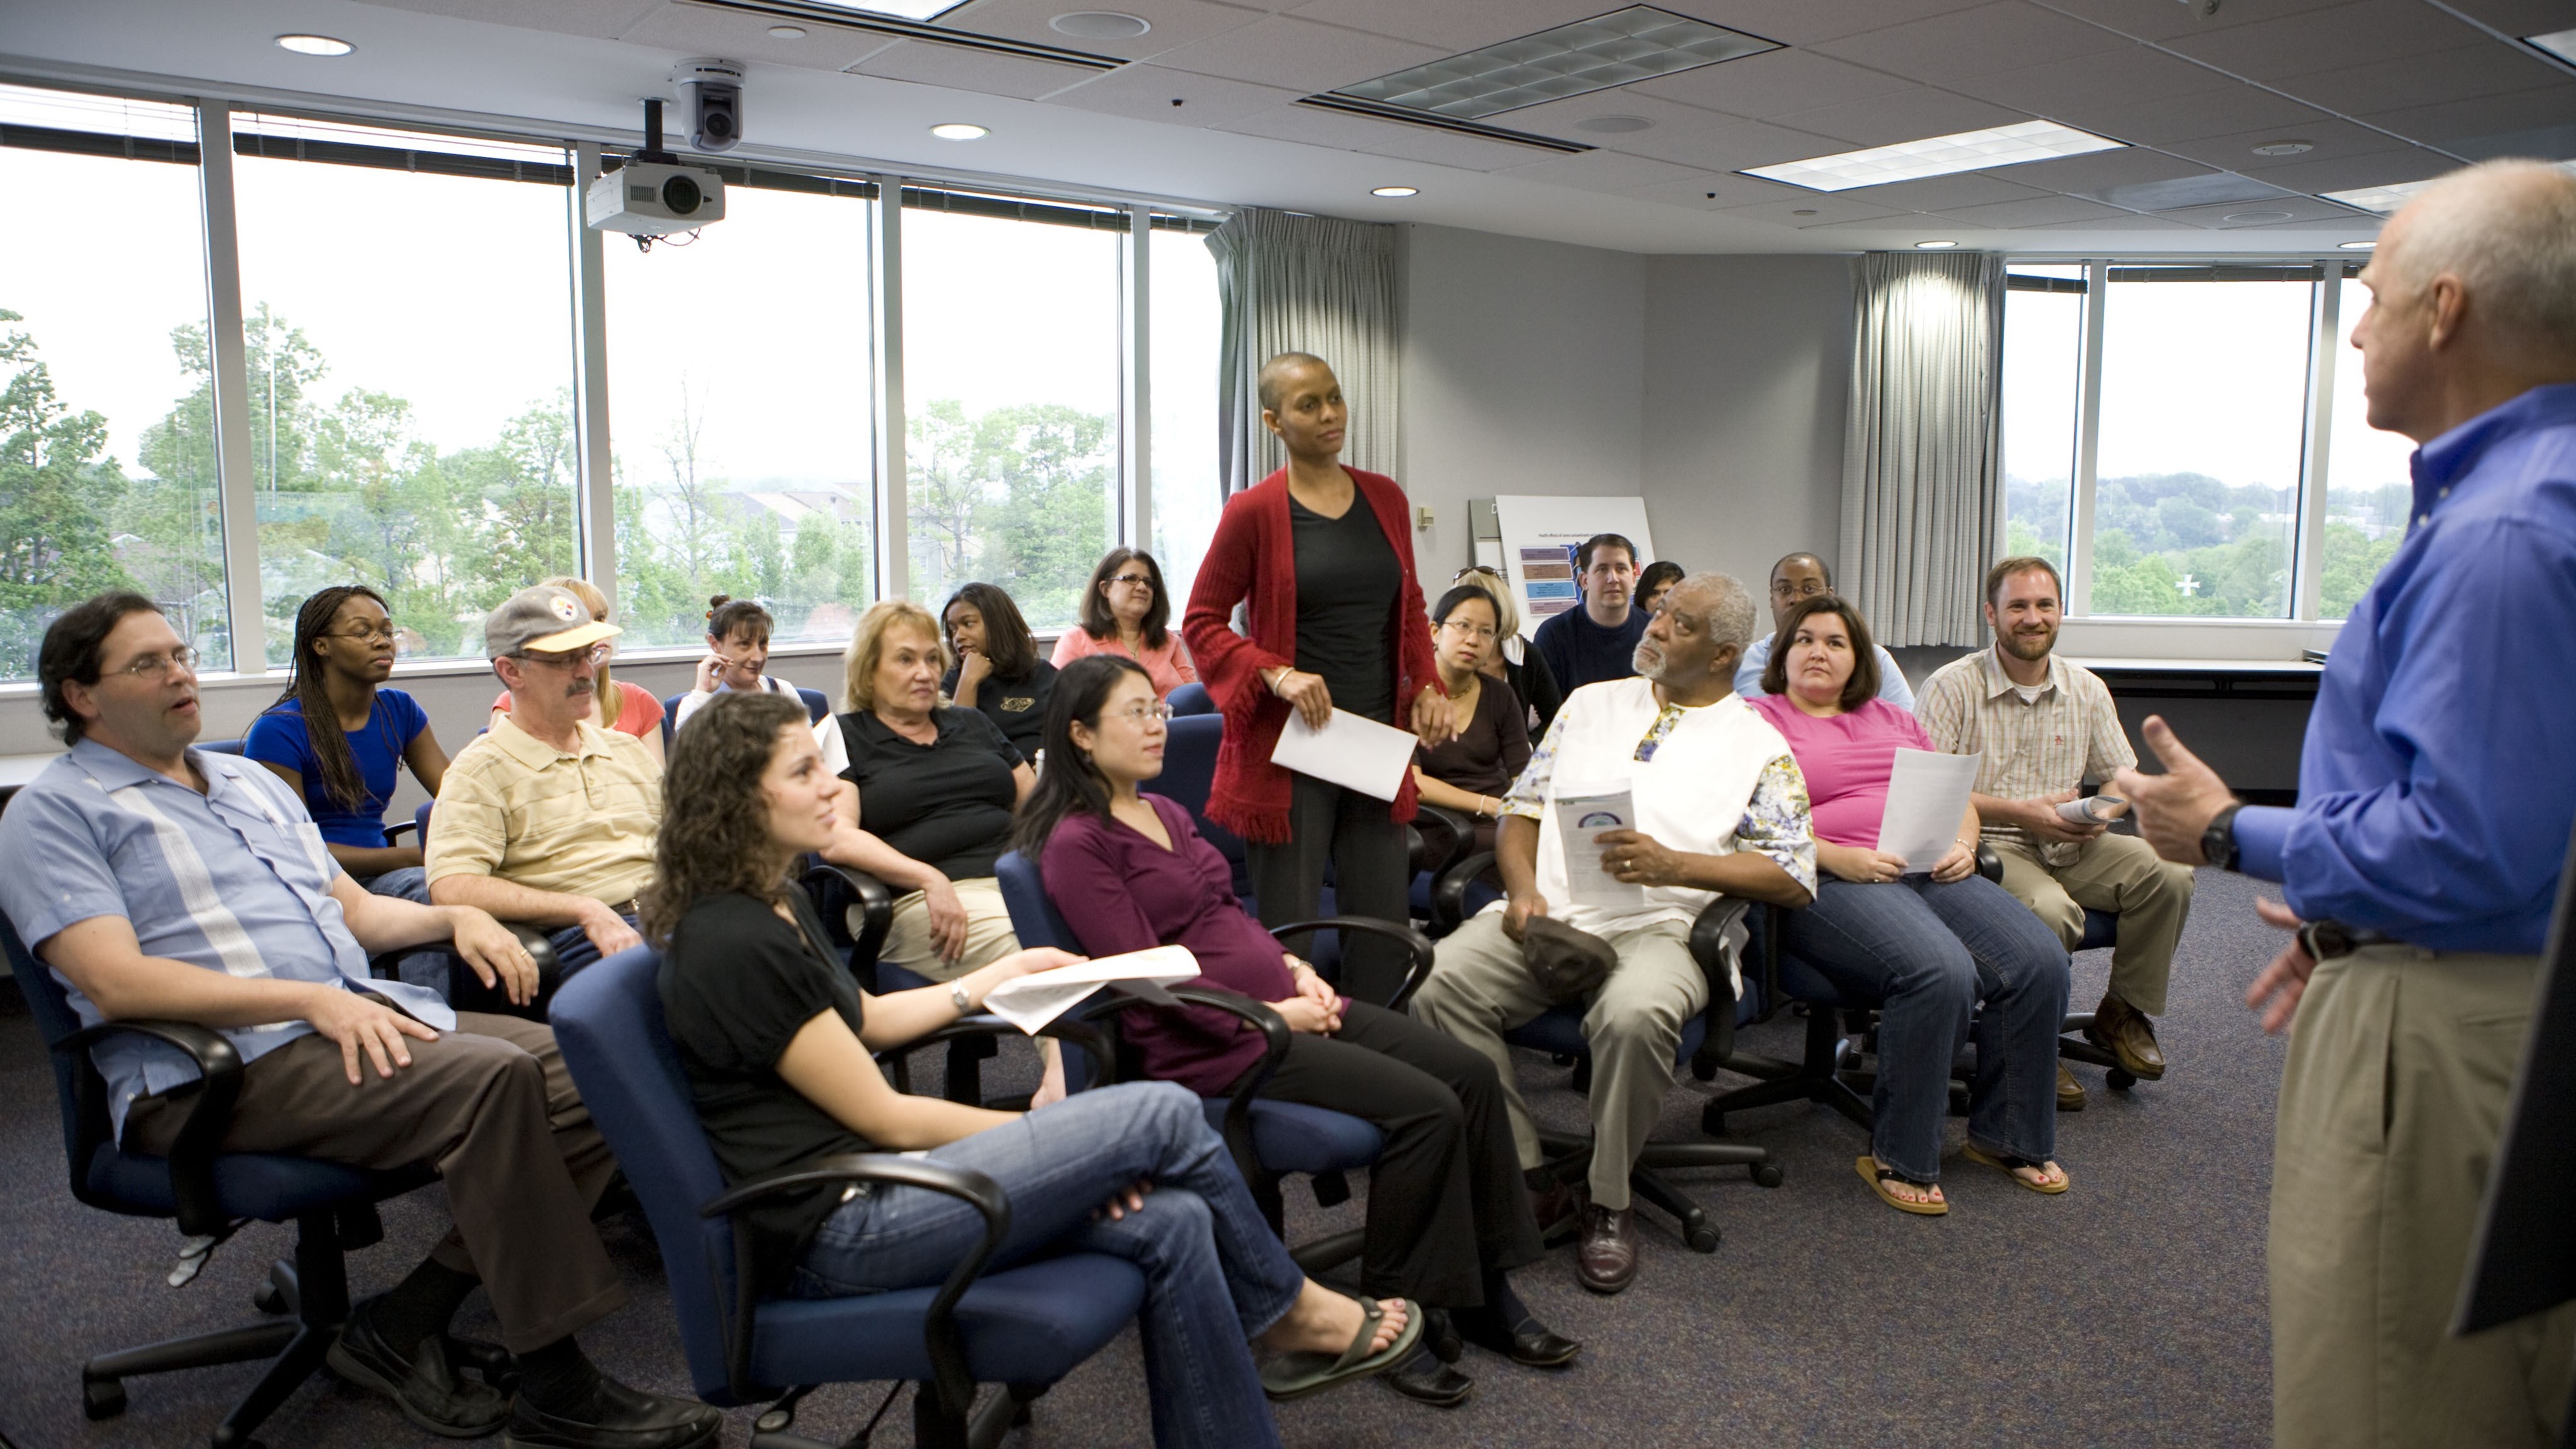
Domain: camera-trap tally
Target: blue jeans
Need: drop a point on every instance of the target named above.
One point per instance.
(1926, 954)
(574, 949)
(1215, 1275)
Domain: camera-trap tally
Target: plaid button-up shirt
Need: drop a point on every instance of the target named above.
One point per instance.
(2067, 732)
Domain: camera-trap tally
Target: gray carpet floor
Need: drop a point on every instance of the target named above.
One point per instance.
(2129, 1311)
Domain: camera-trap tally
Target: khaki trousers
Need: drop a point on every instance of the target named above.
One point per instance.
(1478, 989)
(2112, 873)
(988, 932)
(2392, 1102)
(492, 1108)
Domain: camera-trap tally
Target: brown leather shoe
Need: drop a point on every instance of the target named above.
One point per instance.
(1606, 1260)
(2070, 1092)
(2124, 1032)
(1559, 1210)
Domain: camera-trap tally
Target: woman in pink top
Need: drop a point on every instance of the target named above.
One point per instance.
(1924, 945)
(1127, 611)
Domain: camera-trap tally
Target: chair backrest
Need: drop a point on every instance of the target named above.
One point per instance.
(608, 1021)
(51, 1006)
(1034, 918)
(1189, 775)
(221, 747)
(817, 704)
(1192, 699)
(670, 715)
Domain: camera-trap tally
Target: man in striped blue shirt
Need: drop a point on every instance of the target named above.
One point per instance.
(157, 880)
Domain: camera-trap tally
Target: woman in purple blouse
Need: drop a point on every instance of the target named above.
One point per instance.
(1448, 1211)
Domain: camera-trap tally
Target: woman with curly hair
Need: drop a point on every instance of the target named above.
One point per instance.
(776, 1041)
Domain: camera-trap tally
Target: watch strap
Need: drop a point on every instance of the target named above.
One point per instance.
(2218, 842)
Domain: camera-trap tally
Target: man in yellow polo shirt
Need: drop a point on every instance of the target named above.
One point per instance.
(549, 819)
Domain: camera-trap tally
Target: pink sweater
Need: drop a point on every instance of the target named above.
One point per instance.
(1169, 666)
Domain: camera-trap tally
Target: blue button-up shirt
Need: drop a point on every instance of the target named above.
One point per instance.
(235, 880)
(2439, 779)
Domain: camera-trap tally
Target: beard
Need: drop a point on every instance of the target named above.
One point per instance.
(2029, 646)
(1648, 661)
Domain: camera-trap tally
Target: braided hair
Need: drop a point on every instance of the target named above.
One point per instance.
(309, 692)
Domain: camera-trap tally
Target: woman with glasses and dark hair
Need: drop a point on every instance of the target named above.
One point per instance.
(1471, 773)
(346, 768)
(777, 1041)
(1513, 659)
(995, 668)
(1448, 1212)
(1127, 611)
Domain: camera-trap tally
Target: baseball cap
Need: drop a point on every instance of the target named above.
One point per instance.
(542, 617)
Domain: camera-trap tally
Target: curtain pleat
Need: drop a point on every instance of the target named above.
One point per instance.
(1287, 282)
(1922, 445)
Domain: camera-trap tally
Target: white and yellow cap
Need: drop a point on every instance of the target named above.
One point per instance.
(544, 618)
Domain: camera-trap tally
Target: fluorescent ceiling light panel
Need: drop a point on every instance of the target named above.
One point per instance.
(1938, 156)
(2560, 43)
(2388, 199)
(899, 9)
(1638, 43)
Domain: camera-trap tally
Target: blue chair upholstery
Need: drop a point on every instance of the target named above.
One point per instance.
(1191, 699)
(221, 747)
(1026, 1326)
(205, 1190)
(817, 705)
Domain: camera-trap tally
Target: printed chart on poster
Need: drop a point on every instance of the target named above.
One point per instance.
(1540, 535)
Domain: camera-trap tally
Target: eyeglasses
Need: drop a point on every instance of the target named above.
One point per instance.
(595, 654)
(367, 633)
(1784, 589)
(153, 666)
(1481, 633)
(1474, 569)
(1141, 711)
(1141, 580)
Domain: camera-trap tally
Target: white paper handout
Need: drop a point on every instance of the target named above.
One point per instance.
(1582, 812)
(1927, 793)
(1030, 1002)
(1352, 751)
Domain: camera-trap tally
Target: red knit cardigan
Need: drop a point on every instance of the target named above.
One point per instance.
(1253, 561)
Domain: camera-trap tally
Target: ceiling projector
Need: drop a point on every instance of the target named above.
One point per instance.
(653, 198)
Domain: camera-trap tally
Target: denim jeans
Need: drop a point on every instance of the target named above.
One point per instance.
(574, 949)
(1215, 1276)
(1926, 954)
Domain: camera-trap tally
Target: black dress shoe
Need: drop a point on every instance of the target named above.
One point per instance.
(1425, 1379)
(1527, 1342)
(425, 1388)
(616, 1417)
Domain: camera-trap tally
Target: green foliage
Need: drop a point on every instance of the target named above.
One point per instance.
(2352, 559)
(1018, 497)
(56, 493)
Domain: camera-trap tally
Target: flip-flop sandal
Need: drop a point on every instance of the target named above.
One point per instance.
(2010, 1167)
(1878, 1177)
(1295, 1375)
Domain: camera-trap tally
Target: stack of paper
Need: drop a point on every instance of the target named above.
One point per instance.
(1030, 1002)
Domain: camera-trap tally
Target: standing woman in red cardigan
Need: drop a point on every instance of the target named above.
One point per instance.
(1322, 559)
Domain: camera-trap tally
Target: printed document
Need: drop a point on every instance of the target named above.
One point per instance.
(1927, 794)
(1582, 812)
(1030, 1002)
(1352, 751)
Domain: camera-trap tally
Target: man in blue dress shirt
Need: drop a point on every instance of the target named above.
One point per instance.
(2435, 798)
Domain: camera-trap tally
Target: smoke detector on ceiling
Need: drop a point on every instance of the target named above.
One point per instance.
(1100, 25)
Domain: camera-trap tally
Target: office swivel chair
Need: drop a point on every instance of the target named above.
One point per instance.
(816, 706)
(1025, 1327)
(208, 1191)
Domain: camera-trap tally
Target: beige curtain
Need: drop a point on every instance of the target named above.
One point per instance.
(1288, 282)
(1921, 498)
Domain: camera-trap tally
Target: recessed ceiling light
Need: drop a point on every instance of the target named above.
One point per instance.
(1100, 25)
(959, 131)
(2560, 43)
(1937, 156)
(1934, 246)
(787, 32)
(1395, 191)
(2251, 217)
(1613, 125)
(314, 45)
(2359, 246)
(2285, 148)
(902, 9)
(1634, 44)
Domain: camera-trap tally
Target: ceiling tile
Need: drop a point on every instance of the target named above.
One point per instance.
(1908, 115)
(2294, 208)
(1761, 86)
(1448, 148)
(1716, 189)
(1810, 211)
(1946, 193)
(2525, 123)
(1283, 51)
(2519, 17)
(1992, 37)
(1562, 118)
(1804, 22)
(2331, 39)
(2205, 188)
(2159, 20)
(1174, 22)
(2183, 118)
(2098, 171)
(1731, 146)
(2120, 221)
(927, 62)
(598, 19)
(1603, 171)
(705, 30)
(2088, 82)
(2484, 69)
(2348, 173)
(1146, 92)
(1456, 26)
(1315, 126)
(2327, 139)
(2038, 211)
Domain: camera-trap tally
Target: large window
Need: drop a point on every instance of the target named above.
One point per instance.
(741, 416)
(407, 326)
(2368, 485)
(1185, 333)
(2043, 365)
(107, 450)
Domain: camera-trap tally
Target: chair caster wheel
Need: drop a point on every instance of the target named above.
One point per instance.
(103, 1400)
(1702, 1238)
(2119, 1080)
(268, 1300)
(1766, 1174)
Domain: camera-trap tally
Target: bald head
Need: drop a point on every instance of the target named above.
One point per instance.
(1285, 371)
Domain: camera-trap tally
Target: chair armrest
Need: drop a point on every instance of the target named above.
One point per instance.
(1064, 1028)
(1462, 834)
(1449, 892)
(1412, 940)
(939, 1325)
(394, 831)
(1708, 948)
(539, 946)
(875, 900)
(1989, 864)
(1274, 1037)
(192, 1155)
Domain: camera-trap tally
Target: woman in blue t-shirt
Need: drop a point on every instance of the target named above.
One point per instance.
(344, 652)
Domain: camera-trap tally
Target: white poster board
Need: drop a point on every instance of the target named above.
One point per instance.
(1540, 534)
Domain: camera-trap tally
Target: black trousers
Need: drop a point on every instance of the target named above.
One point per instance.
(1371, 877)
(1446, 1199)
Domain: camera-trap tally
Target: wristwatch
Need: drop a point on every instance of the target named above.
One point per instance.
(2218, 842)
(957, 994)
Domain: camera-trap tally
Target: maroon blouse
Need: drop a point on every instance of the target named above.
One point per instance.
(1121, 892)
